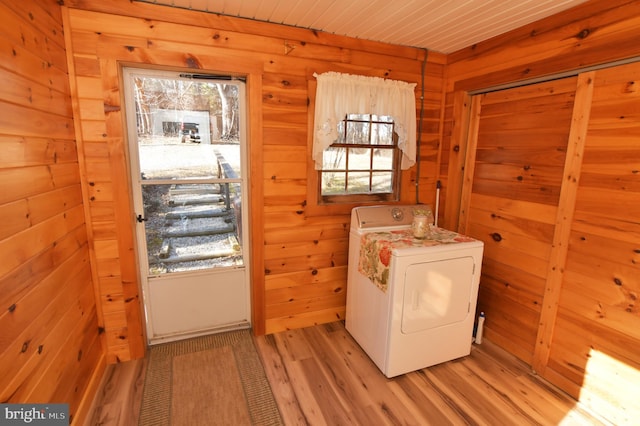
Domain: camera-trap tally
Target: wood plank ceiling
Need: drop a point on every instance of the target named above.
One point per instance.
(440, 25)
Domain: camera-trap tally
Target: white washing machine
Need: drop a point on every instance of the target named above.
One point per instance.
(410, 302)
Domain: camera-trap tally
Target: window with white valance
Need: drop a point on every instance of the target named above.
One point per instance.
(339, 95)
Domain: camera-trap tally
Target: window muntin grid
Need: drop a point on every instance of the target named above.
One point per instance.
(364, 162)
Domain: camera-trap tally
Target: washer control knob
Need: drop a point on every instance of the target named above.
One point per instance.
(397, 214)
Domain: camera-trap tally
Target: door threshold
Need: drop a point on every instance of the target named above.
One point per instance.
(184, 336)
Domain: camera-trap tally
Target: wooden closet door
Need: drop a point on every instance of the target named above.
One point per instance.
(595, 348)
(518, 143)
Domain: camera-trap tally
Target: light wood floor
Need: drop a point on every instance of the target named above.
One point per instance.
(320, 376)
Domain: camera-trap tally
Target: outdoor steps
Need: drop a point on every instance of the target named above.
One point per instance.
(199, 231)
(195, 194)
(232, 249)
(191, 189)
(196, 211)
(198, 226)
(195, 199)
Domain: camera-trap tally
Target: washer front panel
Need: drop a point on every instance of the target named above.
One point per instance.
(437, 294)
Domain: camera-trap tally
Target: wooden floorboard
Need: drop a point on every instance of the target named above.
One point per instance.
(118, 400)
(320, 376)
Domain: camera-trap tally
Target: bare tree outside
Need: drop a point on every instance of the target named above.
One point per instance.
(228, 102)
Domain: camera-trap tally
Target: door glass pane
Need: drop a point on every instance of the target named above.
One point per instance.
(189, 227)
(185, 127)
(188, 147)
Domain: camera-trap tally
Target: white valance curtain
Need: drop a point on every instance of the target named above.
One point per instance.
(340, 94)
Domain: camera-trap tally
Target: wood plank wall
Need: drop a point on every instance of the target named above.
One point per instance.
(52, 351)
(573, 317)
(50, 348)
(299, 257)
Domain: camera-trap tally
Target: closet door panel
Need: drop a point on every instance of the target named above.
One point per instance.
(594, 351)
(517, 170)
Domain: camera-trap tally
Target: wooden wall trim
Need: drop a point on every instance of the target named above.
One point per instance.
(564, 218)
(95, 381)
(457, 158)
(96, 377)
(470, 149)
(81, 161)
(116, 141)
(256, 194)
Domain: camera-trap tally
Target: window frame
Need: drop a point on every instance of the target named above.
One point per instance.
(396, 171)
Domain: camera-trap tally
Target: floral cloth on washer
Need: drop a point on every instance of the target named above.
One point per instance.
(376, 248)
